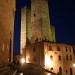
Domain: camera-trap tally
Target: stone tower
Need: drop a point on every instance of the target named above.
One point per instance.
(25, 28)
(40, 22)
(35, 24)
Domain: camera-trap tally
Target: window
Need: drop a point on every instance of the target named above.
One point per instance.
(66, 71)
(71, 71)
(70, 49)
(58, 48)
(51, 57)
(50, 48)
(60, 71)
(66, 57)
(59, 57)
(34, 15)
(66, 49)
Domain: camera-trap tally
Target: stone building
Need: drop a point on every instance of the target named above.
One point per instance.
(40, 22)
(35, 24)
(56, 57)
(7, 14)
(25, 28)
(36, 37)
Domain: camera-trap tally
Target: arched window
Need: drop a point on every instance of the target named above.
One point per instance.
(71, 71)
(51, 57)
(59, 57)
(60, 71)
(66, 57)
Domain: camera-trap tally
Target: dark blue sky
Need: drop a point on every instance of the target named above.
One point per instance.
(62, 17)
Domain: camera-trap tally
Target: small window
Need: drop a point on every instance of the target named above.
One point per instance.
(70, 49)
(58, 48)
(34, 15)
(60, 71)
(50, 48)
(51, 57)
(59, 57)
(66, 57)
(66, 71)
(66, 49)
(71, 72)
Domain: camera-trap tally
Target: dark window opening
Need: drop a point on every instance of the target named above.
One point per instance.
(34, 15)
(50, 48)
(51, 57)
(66, 71)
(58, 48)
(70, 49)
(59, 57)
(71, 71)
(60, 71)
(66, 49)
(66, 57)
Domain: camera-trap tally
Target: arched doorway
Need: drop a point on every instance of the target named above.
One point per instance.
(60, 71)
(71, 71)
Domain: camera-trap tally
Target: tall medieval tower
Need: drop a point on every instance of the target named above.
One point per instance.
(40, 22)
(35, 24)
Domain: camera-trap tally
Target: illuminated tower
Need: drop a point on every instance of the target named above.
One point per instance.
(25, 28)
(35, 24)
(40, 21)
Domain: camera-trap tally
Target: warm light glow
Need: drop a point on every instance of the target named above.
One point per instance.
(48, 62)
(49, 74)
(27, 59)
(73, 65)
(21, 73)
(22, 60)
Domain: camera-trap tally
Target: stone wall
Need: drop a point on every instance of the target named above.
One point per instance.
(52, 56)
(7, 14)
(40, 22)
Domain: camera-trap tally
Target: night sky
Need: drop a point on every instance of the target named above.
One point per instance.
(62, 17)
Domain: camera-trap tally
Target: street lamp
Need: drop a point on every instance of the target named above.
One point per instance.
(22, 60)
(73, 65)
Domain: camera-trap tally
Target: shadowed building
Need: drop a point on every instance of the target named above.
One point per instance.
(7, 14)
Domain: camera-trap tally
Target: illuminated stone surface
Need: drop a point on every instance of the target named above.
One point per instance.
(7, 14)
(40, 22)
(35, 24)
(41, 54)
